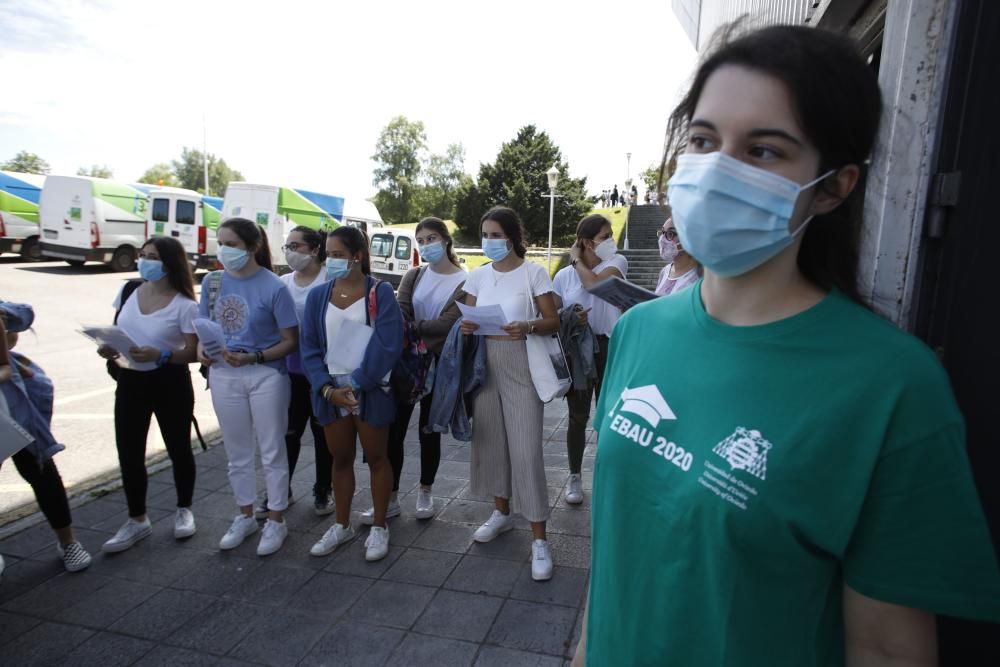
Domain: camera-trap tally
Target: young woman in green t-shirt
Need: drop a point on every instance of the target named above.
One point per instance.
(798, 464)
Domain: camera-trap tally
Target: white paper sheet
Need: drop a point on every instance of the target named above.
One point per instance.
(13, 438)
(119, 341)
(211, 337)
(620, 293)
(347, 349)
(489, 318)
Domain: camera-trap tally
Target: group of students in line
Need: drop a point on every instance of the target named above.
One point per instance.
(781, 476)
(281, 372)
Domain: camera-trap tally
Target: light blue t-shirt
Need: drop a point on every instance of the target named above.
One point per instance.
(252, 312)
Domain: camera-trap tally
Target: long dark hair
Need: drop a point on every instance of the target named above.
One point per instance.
(356, 241)
(313, 238)
(591, 226)
(839, 104)
(437, 226)
(175, 263)
(255, 238)
(510, 223)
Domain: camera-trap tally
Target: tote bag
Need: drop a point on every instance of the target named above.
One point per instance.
(546, 357)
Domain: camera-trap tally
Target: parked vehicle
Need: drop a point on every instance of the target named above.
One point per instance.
(19, 195)
(278, 209)
(393, 253)
(363, 214)
(85, 219)
(188, 216)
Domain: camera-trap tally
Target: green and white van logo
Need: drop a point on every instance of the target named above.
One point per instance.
(262, 219)
(75, 214)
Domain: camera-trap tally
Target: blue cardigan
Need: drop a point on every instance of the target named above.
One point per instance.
(378, 407)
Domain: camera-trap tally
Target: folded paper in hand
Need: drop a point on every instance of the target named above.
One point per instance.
(13, 438)
(211, 337)
(490, 319)
(119, 341)
(620, 293)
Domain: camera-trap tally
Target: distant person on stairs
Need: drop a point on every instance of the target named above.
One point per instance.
(682, 270)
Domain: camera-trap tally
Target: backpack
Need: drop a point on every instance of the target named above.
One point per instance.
(213, 283)
(412, 377)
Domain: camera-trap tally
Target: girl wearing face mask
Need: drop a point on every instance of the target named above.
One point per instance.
(507, 461)
(593, 258)
(250, 386)
(682, 270)
(427, 296)
(798, 463)
(304, 253)
(158, 316)
(353, 402)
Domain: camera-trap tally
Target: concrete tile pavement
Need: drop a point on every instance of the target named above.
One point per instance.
(436, 599)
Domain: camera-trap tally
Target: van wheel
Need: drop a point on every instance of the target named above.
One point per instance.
(75, 263)
(31, 251)
(123, 259)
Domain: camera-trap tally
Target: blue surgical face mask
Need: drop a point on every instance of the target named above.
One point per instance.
(151, 269)
(730, 216)
(495, 249)
(337, 267)
(233, 259)
(432, 252)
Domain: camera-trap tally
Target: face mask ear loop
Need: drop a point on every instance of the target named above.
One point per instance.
(807, 186)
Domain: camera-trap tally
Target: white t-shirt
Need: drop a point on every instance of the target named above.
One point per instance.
(569, 287)
(510, 289)
(433, 292)
(163, 329)
(299, 293)
(335, 317)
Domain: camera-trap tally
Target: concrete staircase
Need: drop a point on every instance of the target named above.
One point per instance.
(643, 255)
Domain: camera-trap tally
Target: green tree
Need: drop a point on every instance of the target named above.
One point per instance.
(26, 163)
(651, 176)
(517, 179)
(443, 175)
(160, 173)
(398, 162)
(96, 171)
(190, 172)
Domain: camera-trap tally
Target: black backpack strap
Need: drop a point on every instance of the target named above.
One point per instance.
(130, 287)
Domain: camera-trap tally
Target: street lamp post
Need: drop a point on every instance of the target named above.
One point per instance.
(553, 175)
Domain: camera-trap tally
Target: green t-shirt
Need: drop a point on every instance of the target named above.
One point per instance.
(744, 474)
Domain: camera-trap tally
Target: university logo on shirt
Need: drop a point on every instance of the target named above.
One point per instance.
(648, 403)
(745, 450)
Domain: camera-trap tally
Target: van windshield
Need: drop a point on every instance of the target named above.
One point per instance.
(381, 245)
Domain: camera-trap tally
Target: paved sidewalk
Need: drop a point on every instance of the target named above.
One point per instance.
(436, 599)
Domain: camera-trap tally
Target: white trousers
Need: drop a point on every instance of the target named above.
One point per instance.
(251, 403)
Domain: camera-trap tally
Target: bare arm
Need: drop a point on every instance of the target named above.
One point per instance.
(879, 634)
(588, 277)
(189, 353)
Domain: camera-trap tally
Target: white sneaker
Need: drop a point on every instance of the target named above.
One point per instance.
(496, 524)
(127, 535)
(334, 536)
(574, 490)
(272, 537)
(74, 556)
(242, 528)
(541, 560)
(368, 516)
(377, 543)
(425, 504)
(184, 523)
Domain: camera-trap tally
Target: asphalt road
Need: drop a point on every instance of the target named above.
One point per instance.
(65, 298)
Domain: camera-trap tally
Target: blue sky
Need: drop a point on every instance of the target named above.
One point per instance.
(295, 92)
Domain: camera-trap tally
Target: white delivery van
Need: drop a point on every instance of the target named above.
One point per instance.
(393, 253)
(85, 219)
(278, 209)
(19, 195)
(189, 217)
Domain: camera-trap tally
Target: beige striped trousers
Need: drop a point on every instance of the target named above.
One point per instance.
(507, 459)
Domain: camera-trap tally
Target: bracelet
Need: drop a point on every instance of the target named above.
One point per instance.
(165, 356)
(531, 327)
(325, 391)
(259, 357)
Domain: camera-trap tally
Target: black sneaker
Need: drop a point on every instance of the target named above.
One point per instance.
(323, 504)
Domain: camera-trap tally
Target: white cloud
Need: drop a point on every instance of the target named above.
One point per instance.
(296, 92)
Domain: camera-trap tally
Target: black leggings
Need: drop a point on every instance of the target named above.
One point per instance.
(48, 487)
(300, 414)
(579, 410)
(430, 443)
(167, 393)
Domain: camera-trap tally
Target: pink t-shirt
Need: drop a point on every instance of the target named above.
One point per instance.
(666, 285)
